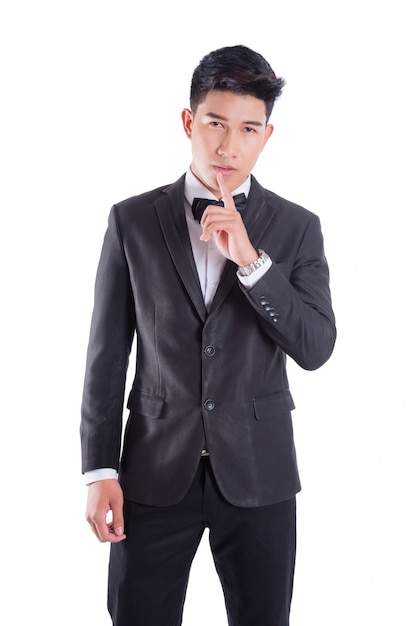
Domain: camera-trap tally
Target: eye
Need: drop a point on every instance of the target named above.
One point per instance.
(249, 129)
(216, 125)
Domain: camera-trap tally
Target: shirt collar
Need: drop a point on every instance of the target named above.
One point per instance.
(193, 188)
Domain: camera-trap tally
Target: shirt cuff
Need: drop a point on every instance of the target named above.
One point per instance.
(104, 473)
(251, 280)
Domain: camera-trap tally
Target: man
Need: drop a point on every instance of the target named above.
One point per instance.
(216, 306)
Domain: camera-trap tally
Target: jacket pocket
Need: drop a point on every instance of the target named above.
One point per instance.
(273, 404)
(145, 404)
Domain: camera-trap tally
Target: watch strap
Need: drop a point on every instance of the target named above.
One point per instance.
(246, 270)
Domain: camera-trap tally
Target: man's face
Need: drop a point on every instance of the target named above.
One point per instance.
(227, 132)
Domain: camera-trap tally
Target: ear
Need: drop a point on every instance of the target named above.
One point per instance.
(187, 121)
(268, 132)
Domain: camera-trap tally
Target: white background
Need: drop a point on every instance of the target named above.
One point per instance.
(90, 114)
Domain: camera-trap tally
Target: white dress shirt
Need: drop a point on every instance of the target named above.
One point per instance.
(209, 263)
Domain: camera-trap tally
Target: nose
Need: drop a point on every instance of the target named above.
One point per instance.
(228, 147)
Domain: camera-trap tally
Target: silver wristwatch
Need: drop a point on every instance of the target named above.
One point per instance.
(246, 270)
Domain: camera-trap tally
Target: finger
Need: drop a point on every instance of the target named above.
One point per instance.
(226, 193)
(214, 213)
(219, 219)
(94, 529)
(99, 525)
(114, 537)
(99, 528)
(216, 228)
(117, 524)
(105, 532)
(112, 531)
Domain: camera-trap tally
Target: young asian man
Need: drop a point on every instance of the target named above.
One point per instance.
(219, 279)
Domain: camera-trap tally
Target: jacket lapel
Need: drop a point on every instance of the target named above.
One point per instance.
(170, 209)
(256, 218)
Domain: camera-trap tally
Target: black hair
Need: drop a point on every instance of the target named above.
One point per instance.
(237, 69)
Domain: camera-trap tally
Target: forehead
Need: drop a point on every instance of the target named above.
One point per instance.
(232, 106)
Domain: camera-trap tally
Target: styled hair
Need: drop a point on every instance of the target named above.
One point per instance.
(237, 69)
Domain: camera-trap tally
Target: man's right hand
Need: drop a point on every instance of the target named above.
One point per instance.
(105, 496)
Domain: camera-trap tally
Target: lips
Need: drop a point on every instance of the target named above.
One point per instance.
(226, 171)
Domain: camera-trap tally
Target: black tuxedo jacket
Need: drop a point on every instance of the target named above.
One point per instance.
(217, 377)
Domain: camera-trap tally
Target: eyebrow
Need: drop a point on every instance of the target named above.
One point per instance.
(224, 119)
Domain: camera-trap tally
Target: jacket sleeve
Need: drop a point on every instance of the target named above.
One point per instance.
(294, 303)
(111, 336)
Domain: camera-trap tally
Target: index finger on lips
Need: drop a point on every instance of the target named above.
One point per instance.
(226, 194)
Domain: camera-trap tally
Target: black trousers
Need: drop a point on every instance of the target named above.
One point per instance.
(253, 551)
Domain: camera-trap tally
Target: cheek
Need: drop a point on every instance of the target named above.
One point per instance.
(255, 151)
(201, 146)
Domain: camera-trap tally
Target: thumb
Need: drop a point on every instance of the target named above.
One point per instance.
(118, 519)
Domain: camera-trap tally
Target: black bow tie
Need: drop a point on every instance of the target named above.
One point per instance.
(200, 204)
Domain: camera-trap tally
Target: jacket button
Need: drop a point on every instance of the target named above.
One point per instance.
(263, 301)
(271, 311)
(275, 318)
(209, 350)
(209, 405)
